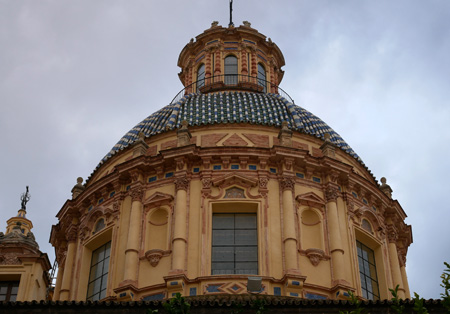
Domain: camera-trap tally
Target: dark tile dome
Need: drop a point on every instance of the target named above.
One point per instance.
(231, 107)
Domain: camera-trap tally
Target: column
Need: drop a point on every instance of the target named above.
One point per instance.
(133, 240)
(395, 265)
(179, 235)
(336, 246)
(290, 238)
(58, 283)
(405, 281)
(64, 293)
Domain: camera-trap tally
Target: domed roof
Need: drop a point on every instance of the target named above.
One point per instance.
(231, 107)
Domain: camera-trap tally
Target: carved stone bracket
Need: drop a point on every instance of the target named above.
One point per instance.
(392, 234)
(9, 259)
(315, 256)
(155, 255)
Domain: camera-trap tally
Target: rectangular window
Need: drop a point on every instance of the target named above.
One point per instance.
(234, 244)
(8, 290)
(98, 276)
(367, 272)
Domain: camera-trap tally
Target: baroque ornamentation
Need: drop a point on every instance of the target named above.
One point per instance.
(287, 184)
(137, 194)
(331, 193)
(9, 259)
(155, 255)
(263, 183)
(206, 182)
(181, 184)
(234, 193)
(315, 255)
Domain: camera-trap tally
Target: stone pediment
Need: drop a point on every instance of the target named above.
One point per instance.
(157, 199)
(234, 179)
(310, 199)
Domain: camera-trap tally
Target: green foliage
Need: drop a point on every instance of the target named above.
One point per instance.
(418, 305)
(356, 302)
(237, 308)
(150, 311)
(177, 305)
(399, 309)
(446, 285)
(259, 306)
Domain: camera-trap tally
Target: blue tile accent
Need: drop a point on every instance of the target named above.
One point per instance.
(123, 294)
(273, 170)
(217, 167)
(249, 41)
(315, 296)
(365, 201)
(90, 208)
(211, 42)
(152, 179)
(174, 283)
(295, 283)
(339, 188)
(231, 42)
(112, 194)
(213, 288)
(128, 187)
(374, 208)
(234, 167)
(262, 57)
(195, 170)
(231, 107)
(174, 294)
(276, 291)
(200, 58)
(300, 175)
(293, 294)
(231, 48)
(192, 291)
(235, 288)
(101, 200)
(252, 167)
(154, 297)
(169, 174)
(355, 195)
(316, 179)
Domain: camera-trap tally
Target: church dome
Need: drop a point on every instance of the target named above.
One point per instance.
(231, 107)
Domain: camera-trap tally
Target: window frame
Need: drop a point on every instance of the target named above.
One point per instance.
(371, 273)
(201, 80)
(103, 282)
(262, 81)
(231, 78)
(10, 284)
(235, 246)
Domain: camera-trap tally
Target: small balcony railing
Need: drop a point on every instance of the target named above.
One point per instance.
(227, 82)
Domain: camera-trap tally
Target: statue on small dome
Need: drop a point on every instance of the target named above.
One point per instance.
(25, 198)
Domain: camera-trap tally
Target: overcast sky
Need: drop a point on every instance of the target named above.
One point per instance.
(77, 75)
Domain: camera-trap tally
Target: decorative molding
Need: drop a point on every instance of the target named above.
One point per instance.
(315, 255)
(9, 259)
(234, 192)
(310, 199)
(158, 199)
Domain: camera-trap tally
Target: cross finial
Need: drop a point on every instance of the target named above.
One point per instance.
(25, 198)
(231, 14)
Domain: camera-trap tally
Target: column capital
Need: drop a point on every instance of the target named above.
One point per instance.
(137, 193)
(331, 193)
(181, 183)
(287, 183)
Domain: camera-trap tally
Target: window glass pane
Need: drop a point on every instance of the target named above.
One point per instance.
(99, 272)
(14, 289)
(245, 221)
(13, 297)
(3, 288)
(200, 76)
(106, 266)
(223, 237)
(103, 294)
(368, 272)
(231, 70)
(2, 297)
(246, 253)
(246, 237)
(97, 256)
(225, 254)
(371, 257)
(223, 221)
(247, 268)
(262, 76)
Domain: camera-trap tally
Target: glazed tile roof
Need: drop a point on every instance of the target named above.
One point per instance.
(231, 107)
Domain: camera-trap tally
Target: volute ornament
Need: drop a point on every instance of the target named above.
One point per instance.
(137, 194)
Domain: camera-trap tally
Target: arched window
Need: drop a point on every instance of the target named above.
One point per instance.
(100, 225)
(262, 77)
(231, 70)
(200, 76)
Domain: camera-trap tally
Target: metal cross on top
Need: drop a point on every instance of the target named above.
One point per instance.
(231, 14)
(25, 198)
